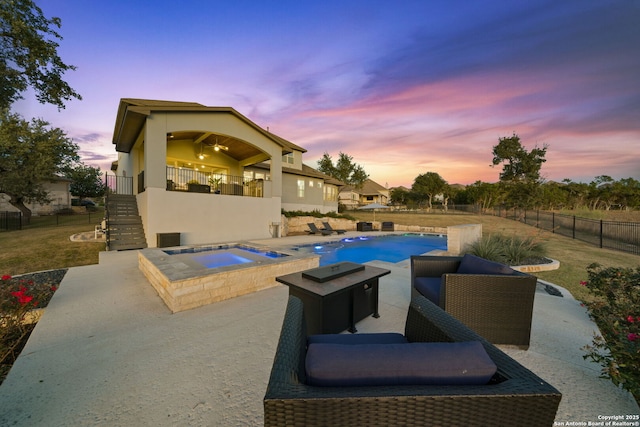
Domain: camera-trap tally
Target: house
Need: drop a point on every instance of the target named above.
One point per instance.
(371, 192)
(210, 173)
(58, 190)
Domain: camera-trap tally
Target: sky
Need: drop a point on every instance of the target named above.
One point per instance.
(403, 87)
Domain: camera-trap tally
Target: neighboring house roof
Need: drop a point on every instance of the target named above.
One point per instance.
(369, 188)
(307, 171)
(132, 115)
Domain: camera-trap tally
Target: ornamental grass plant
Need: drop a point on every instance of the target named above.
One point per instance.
(510, 250)
(616, 310)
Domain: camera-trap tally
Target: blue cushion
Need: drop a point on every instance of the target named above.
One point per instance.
(355, 339)
(472, 264)
(433, 363)
(429, 287)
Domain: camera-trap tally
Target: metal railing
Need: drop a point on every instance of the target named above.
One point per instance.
(119, 184)
(202, 182)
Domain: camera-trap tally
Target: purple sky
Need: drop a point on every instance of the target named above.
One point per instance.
(403, 87)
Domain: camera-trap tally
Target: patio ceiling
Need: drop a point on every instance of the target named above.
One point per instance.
(237, 149)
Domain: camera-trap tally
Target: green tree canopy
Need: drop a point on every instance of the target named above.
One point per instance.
(518, 165)
(520, 176)
(28, 55)
(344, 170)
(86, 181)
(426, 186)
(31, 153)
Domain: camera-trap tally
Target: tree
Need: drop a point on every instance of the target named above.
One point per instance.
(520, 174)
(399, 196)
(30, 154)
(28, 55)
(344, 170)
(427, 186)
(518, 165)
(86, 181)
(483, 194)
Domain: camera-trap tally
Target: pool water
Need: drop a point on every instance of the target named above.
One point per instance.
(222, 259)
(222, 255)
(390, 248)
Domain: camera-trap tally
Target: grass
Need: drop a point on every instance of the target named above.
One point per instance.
(38, 249)
(574, 255)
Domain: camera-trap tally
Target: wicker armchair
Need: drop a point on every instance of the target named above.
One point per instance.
(497, 306)
(516, 396)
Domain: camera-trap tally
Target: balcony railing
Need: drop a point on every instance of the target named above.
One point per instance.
(179, 179)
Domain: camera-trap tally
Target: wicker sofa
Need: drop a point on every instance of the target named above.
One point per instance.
(490, 298)
(515, 396)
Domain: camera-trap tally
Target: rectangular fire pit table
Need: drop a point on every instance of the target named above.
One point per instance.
(336, 296)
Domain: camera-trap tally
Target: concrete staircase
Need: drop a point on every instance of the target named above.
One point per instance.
(124, 225)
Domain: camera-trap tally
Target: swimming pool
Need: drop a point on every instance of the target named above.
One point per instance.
(390, 248)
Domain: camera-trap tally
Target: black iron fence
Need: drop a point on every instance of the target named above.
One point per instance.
(10, 221)
(617, 235)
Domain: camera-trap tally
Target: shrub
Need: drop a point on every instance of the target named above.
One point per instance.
(616, 310)
(316, 214)
(513, 250)
(18, 298)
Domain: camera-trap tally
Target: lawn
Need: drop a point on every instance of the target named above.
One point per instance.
(38, 249)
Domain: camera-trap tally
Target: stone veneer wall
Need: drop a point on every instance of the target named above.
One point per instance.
(298, 225)
(459, 237)
(185, 294)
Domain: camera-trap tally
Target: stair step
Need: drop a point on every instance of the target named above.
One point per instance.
(125, 229)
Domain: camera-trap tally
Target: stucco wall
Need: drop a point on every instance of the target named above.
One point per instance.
(206, 218)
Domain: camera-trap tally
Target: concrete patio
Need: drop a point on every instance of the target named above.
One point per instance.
(107, 351)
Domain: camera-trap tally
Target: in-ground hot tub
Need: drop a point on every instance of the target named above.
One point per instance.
(190, 277)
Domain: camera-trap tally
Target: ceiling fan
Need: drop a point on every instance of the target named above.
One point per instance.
(218, 147)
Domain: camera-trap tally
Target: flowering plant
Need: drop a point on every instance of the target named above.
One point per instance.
(616, 310)
(19, 296)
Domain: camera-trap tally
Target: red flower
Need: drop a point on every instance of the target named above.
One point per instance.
(630, 319)
(632, 336)
(22, 298)
(583, 283)
(54, 288)
(6, 277)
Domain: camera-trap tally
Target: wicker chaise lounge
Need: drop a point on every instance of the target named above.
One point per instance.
(497, 304)
(516, 396)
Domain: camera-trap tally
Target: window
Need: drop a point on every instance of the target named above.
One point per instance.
(330, 193)
(310, 184)
(288, 158)
(301, 188)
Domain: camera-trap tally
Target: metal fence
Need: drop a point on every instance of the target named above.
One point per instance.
(617, 235)
(10, 221)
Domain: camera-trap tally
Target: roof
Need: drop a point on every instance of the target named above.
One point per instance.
(307, 171)
(132, 115)
(369, 187)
